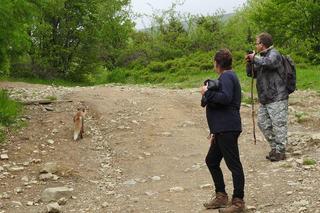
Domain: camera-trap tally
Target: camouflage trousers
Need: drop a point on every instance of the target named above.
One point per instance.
(273, 122)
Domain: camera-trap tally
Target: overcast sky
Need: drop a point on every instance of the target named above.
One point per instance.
(204, 7)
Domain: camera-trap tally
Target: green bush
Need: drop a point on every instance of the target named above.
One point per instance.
(156, 67)
(9, 109)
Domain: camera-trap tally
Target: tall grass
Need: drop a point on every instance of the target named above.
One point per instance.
(9, 111)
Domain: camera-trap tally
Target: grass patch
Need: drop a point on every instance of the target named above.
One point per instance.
(300, 116)
(9, 111)
(309, 162)
(58, 82)
(51, 98)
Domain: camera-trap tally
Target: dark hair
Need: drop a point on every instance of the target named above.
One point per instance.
(224, 59)
(265, 39)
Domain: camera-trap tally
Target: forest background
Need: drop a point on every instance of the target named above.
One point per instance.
(91, 42)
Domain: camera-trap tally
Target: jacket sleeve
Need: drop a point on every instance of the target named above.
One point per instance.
(272, 61)
(224, 95)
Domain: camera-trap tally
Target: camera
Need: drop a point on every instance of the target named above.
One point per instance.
(213, 85)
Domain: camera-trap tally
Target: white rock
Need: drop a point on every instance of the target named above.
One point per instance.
(251, 208)
(16, 168)
(206, 186)
(289, 193)
(156, 178)
(176, 189)
(18, 190)
(129, 182)
(50, 167)
(62, 201)
(45, 177)
(147, 153)
(16, 204)
(105, 205)
(53, 208)
(30, 203)
(4, 157)
(50, 141)
(54, 194)
(150, 193)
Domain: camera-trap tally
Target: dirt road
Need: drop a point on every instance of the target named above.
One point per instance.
(143, 151)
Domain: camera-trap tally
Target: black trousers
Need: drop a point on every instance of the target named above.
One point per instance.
(226, 146)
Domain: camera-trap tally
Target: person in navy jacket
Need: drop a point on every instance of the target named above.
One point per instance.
(224, 121)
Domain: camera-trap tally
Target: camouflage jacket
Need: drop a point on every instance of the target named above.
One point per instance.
(267, 70)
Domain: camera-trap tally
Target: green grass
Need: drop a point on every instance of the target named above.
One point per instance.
(9, 111)
(309, 162)
(58, 82)
(51, 98)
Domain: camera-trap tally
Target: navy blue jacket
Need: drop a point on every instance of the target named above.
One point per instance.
(223, 109)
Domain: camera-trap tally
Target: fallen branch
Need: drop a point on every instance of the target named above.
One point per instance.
(44, 102)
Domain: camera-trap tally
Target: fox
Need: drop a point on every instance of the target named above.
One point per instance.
(78, 120)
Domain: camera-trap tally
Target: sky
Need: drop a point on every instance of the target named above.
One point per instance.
(203, 7)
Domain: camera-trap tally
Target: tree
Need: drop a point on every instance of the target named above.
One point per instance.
(293, 23)
(71, 38)
(14, 39)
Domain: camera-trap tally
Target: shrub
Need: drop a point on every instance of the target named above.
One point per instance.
(156, 67)
(9, 109)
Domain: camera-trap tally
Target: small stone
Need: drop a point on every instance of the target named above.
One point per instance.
(166, 134)
(251, 208)
(30, 203)
(289, 193)
(4, 157)
(53, 208)
(297, 152)
(299, 161)
(50, 141)
(176, 189)
(147, 153)
(54, 194)
(5, 195)
(62, 201)
(45, 177)
(206, 186)
(50, 167)
(49, 109)
(16, 204)
(150, 193)
(18, 190)
(105, 205)
(16, 168)
(129, 182)
(156, 178)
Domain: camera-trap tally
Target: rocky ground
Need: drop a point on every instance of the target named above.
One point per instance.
(143, 151)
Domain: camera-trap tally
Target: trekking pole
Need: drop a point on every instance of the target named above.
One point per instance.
(252, 102)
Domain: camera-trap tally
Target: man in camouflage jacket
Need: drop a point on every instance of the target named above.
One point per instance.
(272, 94)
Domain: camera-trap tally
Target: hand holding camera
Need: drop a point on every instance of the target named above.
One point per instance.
(249, 56)
(212, 85)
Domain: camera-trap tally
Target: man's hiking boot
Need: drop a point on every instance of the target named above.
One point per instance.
(237, 206)
(271, 154)
(220, 201)
(278, 156)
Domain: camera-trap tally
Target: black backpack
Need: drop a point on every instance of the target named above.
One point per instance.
(289, 73)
